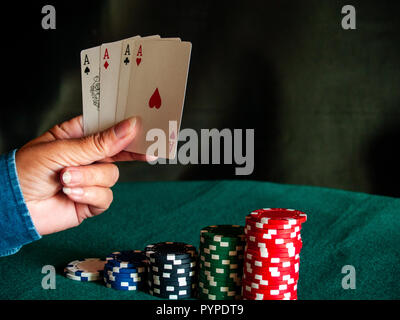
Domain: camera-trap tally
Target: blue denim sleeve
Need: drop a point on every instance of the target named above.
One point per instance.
(16, 226)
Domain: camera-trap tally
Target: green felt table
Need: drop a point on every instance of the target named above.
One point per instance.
(343, 228)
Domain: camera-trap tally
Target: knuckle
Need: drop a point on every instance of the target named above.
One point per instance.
(59, 132)
(99, 144)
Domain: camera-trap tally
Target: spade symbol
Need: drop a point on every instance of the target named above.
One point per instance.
(126, 61)
(87, 70)
(155, 100)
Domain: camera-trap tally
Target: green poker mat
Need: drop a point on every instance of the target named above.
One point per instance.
(343, 228)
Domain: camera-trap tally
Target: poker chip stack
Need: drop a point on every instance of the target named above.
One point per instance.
(172, 270)
(126, 270)
(272, 254)
(221, 262)
(90, 269)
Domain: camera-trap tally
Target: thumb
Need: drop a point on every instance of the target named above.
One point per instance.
(84, 151)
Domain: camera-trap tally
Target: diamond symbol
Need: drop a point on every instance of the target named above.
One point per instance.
(106, 65)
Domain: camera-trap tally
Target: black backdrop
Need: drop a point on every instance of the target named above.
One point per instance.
(324, 102)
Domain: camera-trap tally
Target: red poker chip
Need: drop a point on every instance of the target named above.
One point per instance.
(277, 247)
(273, 239)
(269, 292)
(294, 268)
(253, 223)
(266, 275)
(253, 227)
(251, 299)
(268, 236)
(281, 265)
(270, 251)
(261, 227)
(269, 254)
(269, 280)
(271, 245)
(253, 287)
(272, 281)
(262, 247)
(254, 256)
(261, 251)
(273, 236)
(278, 216)
(271, 275)
(276, 283)
(264, 296)
(281, 287)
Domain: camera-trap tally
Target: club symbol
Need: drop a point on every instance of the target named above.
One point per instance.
(126, 61)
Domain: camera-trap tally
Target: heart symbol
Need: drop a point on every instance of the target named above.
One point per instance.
(138, 61)
(155, 100)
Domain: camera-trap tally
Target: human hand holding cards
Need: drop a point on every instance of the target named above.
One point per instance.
(143, 77)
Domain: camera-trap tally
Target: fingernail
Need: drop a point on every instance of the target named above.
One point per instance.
(66, 177)
(72, 177)
(73, 191)
(123, 128)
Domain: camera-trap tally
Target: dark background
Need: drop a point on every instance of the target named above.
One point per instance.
(324, 102)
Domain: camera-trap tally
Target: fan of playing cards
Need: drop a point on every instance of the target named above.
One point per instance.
(140, 76)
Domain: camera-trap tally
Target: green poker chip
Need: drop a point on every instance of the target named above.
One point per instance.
(221, 260)
(204, 296)
(220, 268)
(203, 284)
(221, 245)
(220, 265)
(221, 290)
(222, 252)
(229, 233)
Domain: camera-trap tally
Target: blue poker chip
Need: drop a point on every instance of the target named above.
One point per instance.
(124, 288)
(125, 275)
(122, 285)
(127, 259)
(112, 268)
(120, 280)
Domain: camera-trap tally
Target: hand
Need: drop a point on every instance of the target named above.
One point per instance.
(66, 178)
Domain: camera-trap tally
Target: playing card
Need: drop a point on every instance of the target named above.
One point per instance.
(109, 76)
(156, 93)
(90, 74)
(124, 75)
